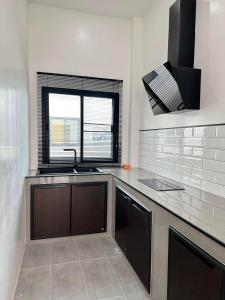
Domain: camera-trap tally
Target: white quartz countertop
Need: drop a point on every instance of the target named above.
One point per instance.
(199, 208)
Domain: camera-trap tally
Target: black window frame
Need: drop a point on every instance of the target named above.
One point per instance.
(82, 93)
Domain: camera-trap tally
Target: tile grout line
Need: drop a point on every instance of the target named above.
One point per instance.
(82, 272)
(129, 267)
(114, 273)
(50, 271)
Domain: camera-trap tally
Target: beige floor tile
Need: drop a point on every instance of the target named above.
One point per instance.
(128, 280)
(67, 282)
(110, 246)
(138, 296)
(100, 280)
(116, 298)
(33, 284)
(36, 255)
(62, 252)
(103, 272)
(90, 248)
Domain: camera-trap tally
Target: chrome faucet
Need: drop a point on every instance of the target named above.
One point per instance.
(75, 162)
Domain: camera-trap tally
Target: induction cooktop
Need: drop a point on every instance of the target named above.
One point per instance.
(160, 185)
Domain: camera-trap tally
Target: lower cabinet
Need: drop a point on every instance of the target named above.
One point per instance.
(193, 273)
(133, 234)
(63, 210)
(88, 208)
(50, 211)
(121, 233)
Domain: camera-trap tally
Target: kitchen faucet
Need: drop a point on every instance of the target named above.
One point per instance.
(75, 162)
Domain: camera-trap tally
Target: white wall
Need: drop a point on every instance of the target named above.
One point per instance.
(209, 56)
(13, 141)
(64, 41)
(137, 91)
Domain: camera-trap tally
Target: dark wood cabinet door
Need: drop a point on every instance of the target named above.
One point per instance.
(193, 273)
(121, 229)
(139, 241)
(50, 211)
(89, 208)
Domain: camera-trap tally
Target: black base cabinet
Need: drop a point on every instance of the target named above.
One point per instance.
(193, 273)
(133, 235)
(68, 209)
(121, 233)
(50, 211)
(88, 208)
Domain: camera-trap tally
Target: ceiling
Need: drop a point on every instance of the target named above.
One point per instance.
(114, 8)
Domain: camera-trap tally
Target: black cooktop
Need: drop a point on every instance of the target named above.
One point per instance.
(160, 185)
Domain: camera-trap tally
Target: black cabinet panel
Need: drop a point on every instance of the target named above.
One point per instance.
(133, 235)
(65, 209)
(139, 242)
(122, 202)
(89, 208)
(50, 211)
(193, 274)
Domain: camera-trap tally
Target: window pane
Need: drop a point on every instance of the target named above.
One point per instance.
(98, 145)
(98, 110)
(98, 119)
(94, 127)
(64, 120)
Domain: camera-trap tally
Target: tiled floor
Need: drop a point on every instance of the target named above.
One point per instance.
(79, 269)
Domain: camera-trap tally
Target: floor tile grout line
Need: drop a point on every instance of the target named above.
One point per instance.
(114, 273)
(129, 267)
(35, 267)
(106, 256)
(82, 272)
(50, 271)
(84, 280)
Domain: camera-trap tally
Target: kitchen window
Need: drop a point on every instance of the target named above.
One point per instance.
(83, 120)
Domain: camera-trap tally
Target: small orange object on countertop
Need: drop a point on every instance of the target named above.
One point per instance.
(126, 166)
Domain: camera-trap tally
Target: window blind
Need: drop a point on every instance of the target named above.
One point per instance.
(77, 83)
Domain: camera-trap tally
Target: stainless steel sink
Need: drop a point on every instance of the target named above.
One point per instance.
(68, 170)
(52, 171)
(85, 170)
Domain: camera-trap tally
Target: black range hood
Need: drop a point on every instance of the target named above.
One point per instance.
(175, 86)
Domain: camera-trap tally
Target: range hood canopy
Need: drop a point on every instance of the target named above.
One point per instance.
(175, 86)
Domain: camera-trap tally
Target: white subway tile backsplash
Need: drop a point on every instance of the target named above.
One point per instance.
(183, 170)
(203, 174)
(220, 131)
(156, 148)
(169, 149)
(219, 213)
(209, 131)
(197, 142)
(169, 132)
(180, 132)
(214, 143)
(204, 153)
(220, 155)
(213, 165)
(184, 150)
(220, 179)
(195, 156)
(184, 132)
(193, 162)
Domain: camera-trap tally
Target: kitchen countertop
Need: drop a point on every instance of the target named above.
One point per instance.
(201, 209)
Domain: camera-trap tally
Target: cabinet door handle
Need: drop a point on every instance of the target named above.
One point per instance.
(138, 208)
(47, 186)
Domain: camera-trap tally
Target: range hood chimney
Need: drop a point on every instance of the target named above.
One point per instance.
(175, 86)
